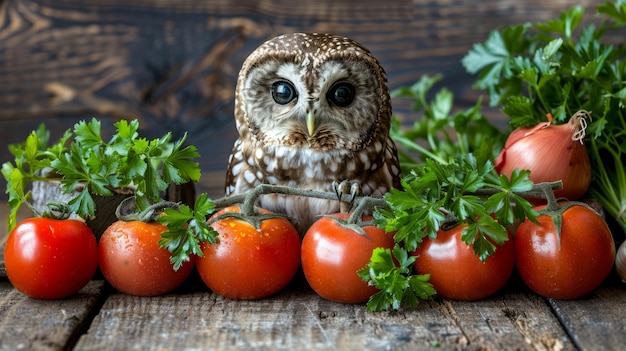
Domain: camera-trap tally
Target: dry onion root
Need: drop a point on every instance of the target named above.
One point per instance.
(551, 152)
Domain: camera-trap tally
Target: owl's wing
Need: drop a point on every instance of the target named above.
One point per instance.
(392, 163)
(235, 163)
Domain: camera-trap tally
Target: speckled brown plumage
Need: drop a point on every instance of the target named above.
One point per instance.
(311, 109)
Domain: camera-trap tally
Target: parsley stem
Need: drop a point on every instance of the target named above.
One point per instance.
(418, 148)
(32, 208)
(609, 185)
(538, 190)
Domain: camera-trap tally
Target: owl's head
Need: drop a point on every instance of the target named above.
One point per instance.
(315, 91)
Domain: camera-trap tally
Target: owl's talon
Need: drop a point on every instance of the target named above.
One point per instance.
(346, 187)
(339, 188)
(355, 190)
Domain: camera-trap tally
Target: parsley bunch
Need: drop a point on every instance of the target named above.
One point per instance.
(462, 190)
(434, 195)
(556, 67)
(82, 157)
(440, 133)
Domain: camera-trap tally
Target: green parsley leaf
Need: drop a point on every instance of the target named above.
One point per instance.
(397, 285)
(33, 159)
(88, 134)
(566, 23)
(483, 235)
(177, 167)
(187, 228)
(494, 61)
(616, 10)
(441, 133)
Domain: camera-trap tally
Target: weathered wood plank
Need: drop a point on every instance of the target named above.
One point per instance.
(298, 319)
(597, 321)
(173, 64)
(30, 324)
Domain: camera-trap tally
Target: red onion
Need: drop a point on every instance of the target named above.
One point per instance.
(551, 152)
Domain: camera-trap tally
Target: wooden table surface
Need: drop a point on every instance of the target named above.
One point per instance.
(194, 318)
(172, 64)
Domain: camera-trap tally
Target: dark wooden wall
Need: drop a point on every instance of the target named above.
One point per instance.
(173, 64)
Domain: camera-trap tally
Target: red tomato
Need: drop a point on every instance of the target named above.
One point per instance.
(332, 255)
(246, 263)
(133, 262)
(457, 273)
(569, 269)
(50, 258)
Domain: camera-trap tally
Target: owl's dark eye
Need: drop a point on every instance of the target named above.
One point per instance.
(283, 92)
(341, 94)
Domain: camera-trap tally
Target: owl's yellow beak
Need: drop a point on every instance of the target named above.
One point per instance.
(310, 122)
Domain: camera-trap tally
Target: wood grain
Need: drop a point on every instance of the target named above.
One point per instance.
(173, 64)
(298, 319)
(30, 324)
(597, 319)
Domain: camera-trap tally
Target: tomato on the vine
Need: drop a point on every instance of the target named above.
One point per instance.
(132, 261)
(246, 263)
(332, 254)
(455, 270)
(50, 258)
(569, 266)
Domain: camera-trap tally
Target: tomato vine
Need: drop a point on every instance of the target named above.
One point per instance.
(433, 195)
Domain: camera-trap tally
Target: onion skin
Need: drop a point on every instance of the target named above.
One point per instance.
(551, 154)
(620, 262)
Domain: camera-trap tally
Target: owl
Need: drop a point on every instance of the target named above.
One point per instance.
(312, 110)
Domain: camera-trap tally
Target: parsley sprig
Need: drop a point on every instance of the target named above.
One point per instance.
(187, 228)
(397, 286)
(556, 67)
(440, 132)
(81, 157)
(461, 191)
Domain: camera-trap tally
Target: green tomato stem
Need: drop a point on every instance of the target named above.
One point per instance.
(125, 211)
(255, 219)
(55, 210)
(250, 197)
(365, 203)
